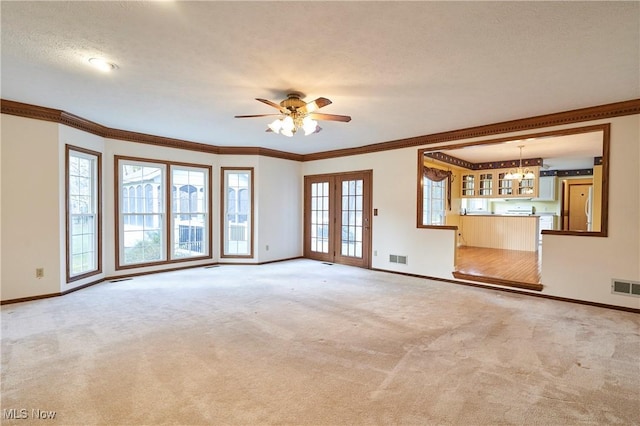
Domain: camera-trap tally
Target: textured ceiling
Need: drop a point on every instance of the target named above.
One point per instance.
(400, 69)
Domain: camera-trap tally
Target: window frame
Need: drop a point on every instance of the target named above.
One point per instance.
(443, 199)
(168, 204)
(96, 202)
(178, 202)
(223, 215)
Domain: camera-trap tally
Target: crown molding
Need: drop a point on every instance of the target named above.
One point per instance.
(616, 109)
(57, 116)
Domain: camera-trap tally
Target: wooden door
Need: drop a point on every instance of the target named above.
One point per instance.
(337, 211)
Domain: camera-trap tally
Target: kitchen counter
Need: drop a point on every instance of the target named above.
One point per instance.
(510, 232)
(501, 215)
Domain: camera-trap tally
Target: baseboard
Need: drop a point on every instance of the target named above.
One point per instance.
(513, 290)
(136, 274)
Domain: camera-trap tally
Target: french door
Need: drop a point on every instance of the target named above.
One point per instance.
(337, 222)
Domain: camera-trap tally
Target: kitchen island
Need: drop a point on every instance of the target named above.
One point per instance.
(510, 232)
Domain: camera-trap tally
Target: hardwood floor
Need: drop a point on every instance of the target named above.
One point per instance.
(505, 267)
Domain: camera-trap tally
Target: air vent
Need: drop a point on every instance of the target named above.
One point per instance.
(626, 287)
(395, 258)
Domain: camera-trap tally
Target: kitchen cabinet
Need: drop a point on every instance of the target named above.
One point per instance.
(547, 188)
(492, 184)
(547, 221)
(505, 186)
(485, 184)
(469, 184)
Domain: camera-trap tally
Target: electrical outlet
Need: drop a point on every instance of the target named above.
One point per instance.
(39, 272)
(375, 252)
(267, 247)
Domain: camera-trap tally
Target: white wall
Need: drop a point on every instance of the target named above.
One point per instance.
(582, 267)
(394, 231)
(279, 196)
(33, 197)
(70, 136)
(31, 211)
(574, 267)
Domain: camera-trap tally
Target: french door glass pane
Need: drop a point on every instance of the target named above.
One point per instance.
(351, 232)
(320, 217)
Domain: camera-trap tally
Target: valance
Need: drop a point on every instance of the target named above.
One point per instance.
(438, 175)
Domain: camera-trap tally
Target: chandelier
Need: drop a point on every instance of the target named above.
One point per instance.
(290, 124)
(520, 173)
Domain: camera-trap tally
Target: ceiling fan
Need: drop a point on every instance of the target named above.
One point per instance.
(297, 114)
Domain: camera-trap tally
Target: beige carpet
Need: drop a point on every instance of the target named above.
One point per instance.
(305, 343)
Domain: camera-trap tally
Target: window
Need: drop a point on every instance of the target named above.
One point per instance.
(433, 203)
(237, 212)
(156, 225)
(190, 212)
(83, 186)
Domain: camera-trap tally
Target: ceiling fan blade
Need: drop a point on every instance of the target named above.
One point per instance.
(313, 106)
(330, 117)
(255, 115)
(275, 105)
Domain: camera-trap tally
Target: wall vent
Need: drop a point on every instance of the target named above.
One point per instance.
(626, 287)
(395, 258)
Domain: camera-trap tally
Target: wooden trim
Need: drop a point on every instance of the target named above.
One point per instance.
(536, 135)
(57, 116)
(223, 198)
(127, 276)
(617, 109)
(497, 281)
(513, 290)
(449, 227)
(606, 142)
(50, 295)
(98, 195)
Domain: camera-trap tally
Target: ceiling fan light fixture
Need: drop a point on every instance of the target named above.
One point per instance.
(309, 125)
(276, 125)
(295, 114)
(288, 125)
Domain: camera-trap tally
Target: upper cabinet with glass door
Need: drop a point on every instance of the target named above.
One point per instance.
(500, 183)
(485, 183)
(468, 185)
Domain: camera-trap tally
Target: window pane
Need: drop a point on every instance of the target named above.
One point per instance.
(190, 221)
(82, 202)
(237, 212)
(143, 217)
(433, 202)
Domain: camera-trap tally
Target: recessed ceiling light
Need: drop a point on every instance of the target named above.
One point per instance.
(102, 65)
